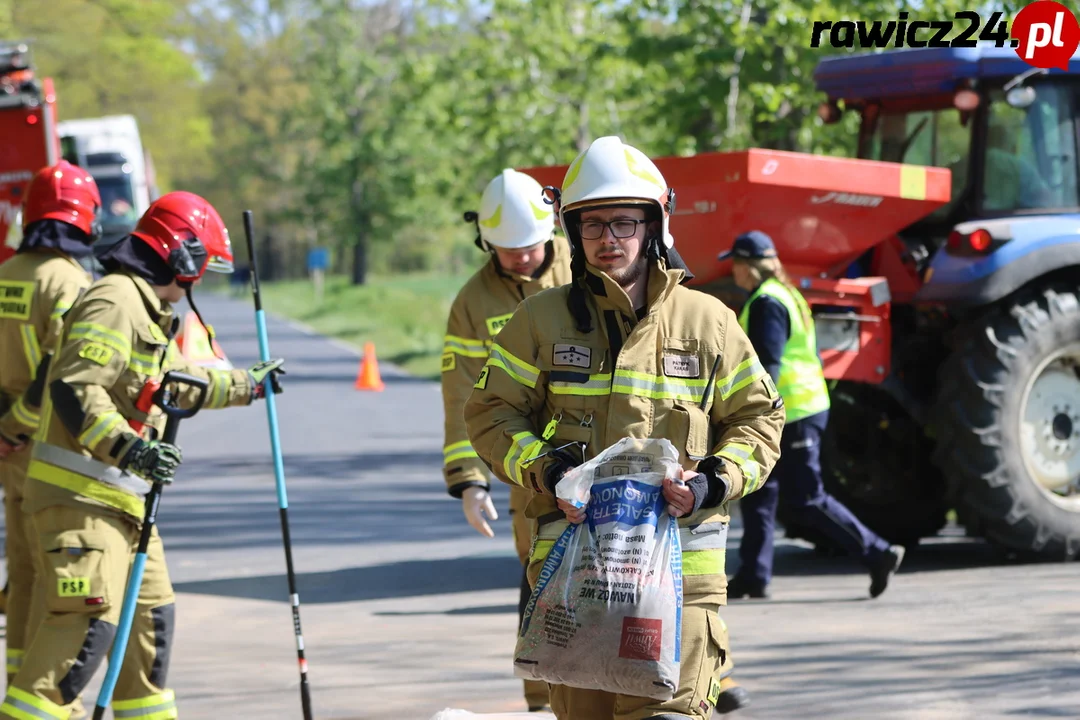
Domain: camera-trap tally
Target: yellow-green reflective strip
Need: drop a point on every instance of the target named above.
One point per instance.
(22, 705)
(595, 385)
(24, 414)
(154, 707)
(703, 562)
(523, 448)
(100, 429)
(220, 380)
(541, 549)
(30, 347)
(516, 368)
(103, 335)
(87, 487)
(58, 311)
(752, 474)
(736, 452)
(14, 660)
(464, 346)
(743, 457)
(458, 451)
(656, 387)
(747, 372)
(146, 363)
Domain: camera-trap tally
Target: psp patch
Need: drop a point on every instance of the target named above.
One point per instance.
(448, 362)
(95, 352)
(496, 323)
(714, 691)
(481, 382)
(571, 356)
(73, 587)
(682, 366)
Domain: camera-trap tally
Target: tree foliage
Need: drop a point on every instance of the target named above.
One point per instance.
(370, 125)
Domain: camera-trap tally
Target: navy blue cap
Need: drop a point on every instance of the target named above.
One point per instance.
(753, 245)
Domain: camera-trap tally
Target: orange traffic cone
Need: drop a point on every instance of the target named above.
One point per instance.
(368, 377)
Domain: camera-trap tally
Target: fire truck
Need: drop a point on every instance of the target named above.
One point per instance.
(28, 137)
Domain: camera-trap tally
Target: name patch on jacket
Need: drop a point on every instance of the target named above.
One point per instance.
(495, 324)
(684, 366)
(571, 356)
(15, 297)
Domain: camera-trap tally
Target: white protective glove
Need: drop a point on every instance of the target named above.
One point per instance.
(476, 502)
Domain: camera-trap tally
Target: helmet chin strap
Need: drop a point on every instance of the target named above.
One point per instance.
(209, 331)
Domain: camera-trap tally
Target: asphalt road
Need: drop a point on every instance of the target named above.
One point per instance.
(406, 610)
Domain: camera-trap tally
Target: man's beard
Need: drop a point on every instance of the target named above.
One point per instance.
(627, 276)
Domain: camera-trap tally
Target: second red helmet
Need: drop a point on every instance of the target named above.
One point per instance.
(188, 234)
(64, 192)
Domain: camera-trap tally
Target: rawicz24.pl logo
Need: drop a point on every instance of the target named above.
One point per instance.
(1044, 34)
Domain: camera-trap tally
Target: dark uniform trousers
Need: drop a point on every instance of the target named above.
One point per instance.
(796, 480)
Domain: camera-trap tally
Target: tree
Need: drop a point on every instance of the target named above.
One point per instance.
(119, 57)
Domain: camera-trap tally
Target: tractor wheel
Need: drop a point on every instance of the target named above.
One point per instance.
(876, 460)
(1013, 413)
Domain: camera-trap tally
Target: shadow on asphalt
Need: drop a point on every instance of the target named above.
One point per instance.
(414, 578)
(481, 610)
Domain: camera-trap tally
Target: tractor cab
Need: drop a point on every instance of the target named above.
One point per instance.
(1006, 131)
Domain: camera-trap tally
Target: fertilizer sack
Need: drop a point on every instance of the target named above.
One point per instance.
(606, 613)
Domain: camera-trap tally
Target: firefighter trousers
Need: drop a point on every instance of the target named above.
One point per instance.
(86, 558)
(522, 528)
(22, 612)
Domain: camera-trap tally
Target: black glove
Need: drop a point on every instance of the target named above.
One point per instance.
(561, 463)
(257, 375)
(156, 461)
(710, 487)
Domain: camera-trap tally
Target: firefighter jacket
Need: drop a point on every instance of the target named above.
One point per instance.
(547, 385)
(36, 289)
(481, 308)
(115, 339)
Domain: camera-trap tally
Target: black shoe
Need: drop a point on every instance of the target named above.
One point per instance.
(884, 566)
(539, 708)
(738, 588)
(732, 699)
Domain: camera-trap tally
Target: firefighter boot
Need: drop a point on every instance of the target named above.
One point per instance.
(732, 697)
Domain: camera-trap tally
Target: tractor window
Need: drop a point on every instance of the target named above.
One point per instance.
(1030, 153)
(933, 138)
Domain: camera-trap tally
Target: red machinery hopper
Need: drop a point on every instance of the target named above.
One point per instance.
(822, 212)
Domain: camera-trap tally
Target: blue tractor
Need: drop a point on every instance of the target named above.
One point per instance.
(980, 411)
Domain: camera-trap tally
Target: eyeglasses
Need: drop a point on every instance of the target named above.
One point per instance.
(594, 229)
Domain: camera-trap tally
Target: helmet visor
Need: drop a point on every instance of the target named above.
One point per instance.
(220, 264)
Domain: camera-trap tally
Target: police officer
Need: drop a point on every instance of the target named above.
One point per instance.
(94, 453)
(518, 229)
(778, 321)
(37, 286)
(626, 350)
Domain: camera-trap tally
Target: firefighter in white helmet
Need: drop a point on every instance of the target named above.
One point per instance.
(517, 228)
(626, 351)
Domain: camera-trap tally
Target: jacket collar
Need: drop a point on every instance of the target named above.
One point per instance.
(610, 296)
(159, 310)
(554, 252)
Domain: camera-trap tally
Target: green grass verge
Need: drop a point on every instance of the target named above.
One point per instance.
(405, 316)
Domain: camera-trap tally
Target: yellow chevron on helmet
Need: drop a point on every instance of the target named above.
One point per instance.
(512, 212)
(612, 172)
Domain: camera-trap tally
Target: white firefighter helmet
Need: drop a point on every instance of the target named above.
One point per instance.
(611, 172)
(513, 214)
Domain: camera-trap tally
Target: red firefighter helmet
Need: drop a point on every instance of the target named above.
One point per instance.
(64, 192)
(188, 234)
